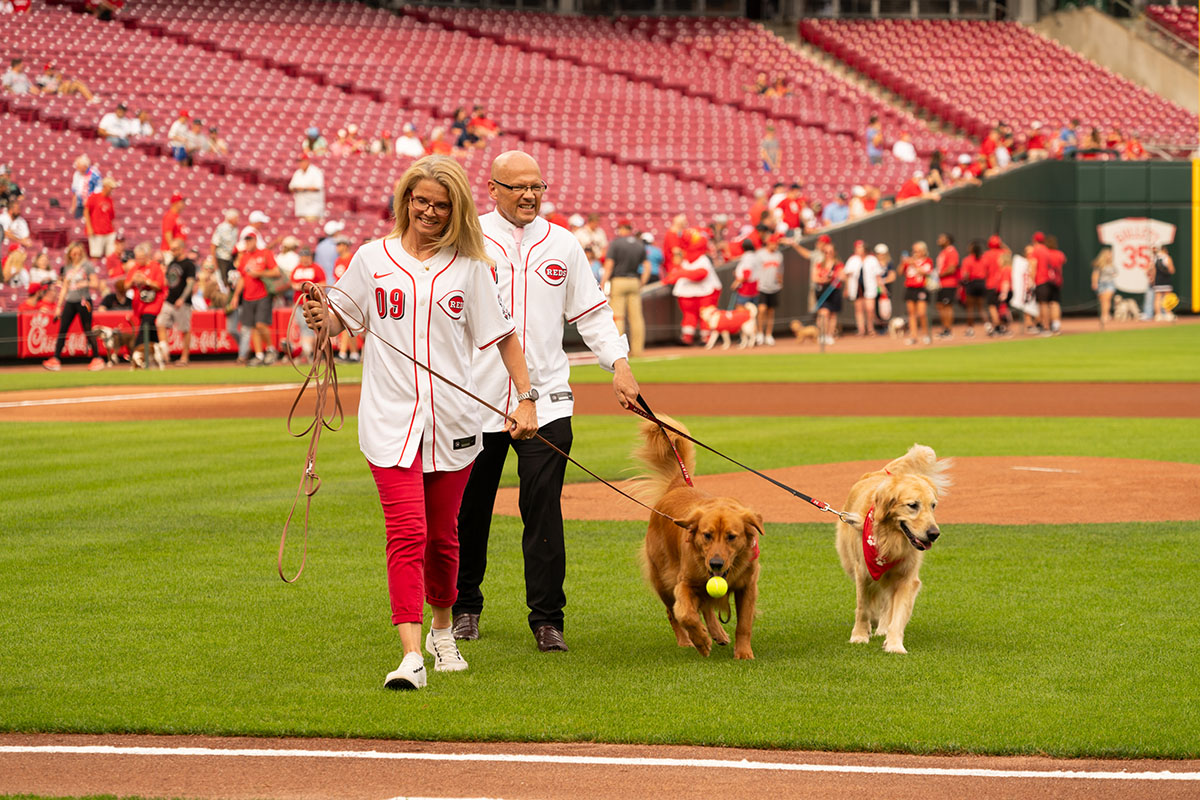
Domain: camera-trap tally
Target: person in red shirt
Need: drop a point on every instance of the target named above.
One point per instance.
(114, 262)
(916, 270)
(98, 216)
(997, 261)
(673, 241)
(305, 271)
(1043, 287)
(948, 276)
(1058, 260)
(253, 298)
(148, 281)
(172, 228)
(348, 345)
(973, 277)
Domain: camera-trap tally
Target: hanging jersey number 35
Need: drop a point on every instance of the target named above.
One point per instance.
(389, 304)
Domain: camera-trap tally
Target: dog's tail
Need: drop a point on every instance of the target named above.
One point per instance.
(655, 455)
(921, 460)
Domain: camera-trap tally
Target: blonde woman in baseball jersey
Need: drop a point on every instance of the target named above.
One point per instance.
(426, 288)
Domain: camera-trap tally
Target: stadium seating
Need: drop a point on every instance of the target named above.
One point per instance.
(1180, 21)
(974, 74)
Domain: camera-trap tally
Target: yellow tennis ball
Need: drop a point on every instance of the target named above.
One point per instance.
(716, 586)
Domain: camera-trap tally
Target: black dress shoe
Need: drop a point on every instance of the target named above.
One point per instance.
(550, 639)
(466, 626)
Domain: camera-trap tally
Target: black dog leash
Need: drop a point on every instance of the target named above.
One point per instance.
(646, 413)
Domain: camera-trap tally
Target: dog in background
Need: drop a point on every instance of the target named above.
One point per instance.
(897, 327)
(115, 340)
(882, 545)
(804, 333)
(742, 320)
(701, 536)
(1125, 309)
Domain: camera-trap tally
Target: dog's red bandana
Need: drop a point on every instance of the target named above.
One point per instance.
(875, 565)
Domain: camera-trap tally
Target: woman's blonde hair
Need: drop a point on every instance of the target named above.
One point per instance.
(72, 247)
(14, 263)
(462, 229)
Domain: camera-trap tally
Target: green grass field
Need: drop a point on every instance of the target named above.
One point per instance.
(144, 599)
(1161, 354)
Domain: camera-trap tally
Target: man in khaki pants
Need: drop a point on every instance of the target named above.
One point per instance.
(626, 270)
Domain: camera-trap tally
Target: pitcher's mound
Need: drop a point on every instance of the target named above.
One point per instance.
(1022, 490)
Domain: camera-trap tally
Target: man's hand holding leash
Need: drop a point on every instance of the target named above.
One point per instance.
(625, 386)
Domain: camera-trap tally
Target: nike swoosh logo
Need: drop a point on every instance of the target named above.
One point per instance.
(384, 275)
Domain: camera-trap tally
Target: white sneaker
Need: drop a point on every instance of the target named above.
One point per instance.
(442, 647)
(770, 340)
(758, 339)
(409, 675)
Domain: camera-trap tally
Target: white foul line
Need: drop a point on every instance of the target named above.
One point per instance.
(592, 761)
(112, 398)
(1046, 469)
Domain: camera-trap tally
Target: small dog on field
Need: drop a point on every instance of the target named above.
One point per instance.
(1125, 309)
(158, 355)
(741, 320)
(115, 340)
(897, 327)
(710, 536)
(884, 543)
(804, 333)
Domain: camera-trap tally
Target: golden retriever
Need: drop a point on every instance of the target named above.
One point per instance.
(712, 536)
(804, 333)
(884, 543)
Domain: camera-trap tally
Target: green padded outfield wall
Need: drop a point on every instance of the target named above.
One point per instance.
(1065, 198)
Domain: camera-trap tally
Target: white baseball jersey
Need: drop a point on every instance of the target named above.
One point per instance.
(1131, 239)
(544, 282)
(440, 312)
(686, 287)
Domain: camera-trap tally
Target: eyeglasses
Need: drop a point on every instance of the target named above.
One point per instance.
(536, 188)
(422, 204)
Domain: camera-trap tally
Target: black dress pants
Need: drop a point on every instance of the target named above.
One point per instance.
(541, 471)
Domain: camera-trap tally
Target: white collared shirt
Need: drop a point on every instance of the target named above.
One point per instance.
(441, 312)
(544, 283)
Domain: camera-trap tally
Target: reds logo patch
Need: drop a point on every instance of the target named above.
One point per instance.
(552, 272)
(453, 304)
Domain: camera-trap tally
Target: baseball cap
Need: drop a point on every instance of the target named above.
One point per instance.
(249, 235)
(648, 238)
(409, 127)
(1039, 237)
(259, 217)
(993, 241)
(313, 132)
(881, 248)
(548, 207)
(823, 239)
(290, 241)
(176, 198)
(576, 220)
(183, 112)
(859, 243)
(333, 226)
(624, 223)
(34, 288)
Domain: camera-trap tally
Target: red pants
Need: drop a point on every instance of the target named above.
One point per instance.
(690, 308)
(420, 512)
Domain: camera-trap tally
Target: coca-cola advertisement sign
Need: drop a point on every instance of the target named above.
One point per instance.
(38, 334)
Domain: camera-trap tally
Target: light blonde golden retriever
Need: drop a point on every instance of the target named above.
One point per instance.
(713, 536)
(884, 544)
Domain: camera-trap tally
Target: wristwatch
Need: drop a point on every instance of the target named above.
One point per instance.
(532, 394)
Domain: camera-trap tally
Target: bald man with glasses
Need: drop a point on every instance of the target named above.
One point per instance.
(545, 281)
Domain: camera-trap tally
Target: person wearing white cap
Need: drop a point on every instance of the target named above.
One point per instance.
(326, 253)
(224, 245)
(257, 218)
(408, 145)
(308, 190)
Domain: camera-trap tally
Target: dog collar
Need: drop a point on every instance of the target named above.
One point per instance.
(875, 565)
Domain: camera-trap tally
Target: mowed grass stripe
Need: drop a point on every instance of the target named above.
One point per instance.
(138, 568)
(1148, 354)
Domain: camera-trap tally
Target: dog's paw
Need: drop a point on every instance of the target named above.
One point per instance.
(743, 653)
(859, 638)
(721, 638)
(894, 647)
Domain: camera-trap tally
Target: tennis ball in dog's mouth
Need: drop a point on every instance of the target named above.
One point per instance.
(716, 586)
